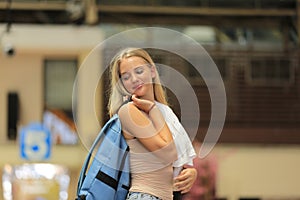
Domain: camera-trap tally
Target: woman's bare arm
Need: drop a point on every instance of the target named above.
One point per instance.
(150, 129)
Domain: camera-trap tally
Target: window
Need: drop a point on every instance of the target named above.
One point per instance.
(207, 65)
(59, 79)
(270, 71)
(58, 116)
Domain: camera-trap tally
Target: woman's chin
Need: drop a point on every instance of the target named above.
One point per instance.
(138, 95)
(139, 92)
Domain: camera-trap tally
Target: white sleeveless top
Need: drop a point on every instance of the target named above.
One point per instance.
(185, 149)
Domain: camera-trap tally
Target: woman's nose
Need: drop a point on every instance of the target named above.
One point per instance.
(133, 78)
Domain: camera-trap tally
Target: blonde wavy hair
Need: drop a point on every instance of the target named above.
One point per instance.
(117, 90)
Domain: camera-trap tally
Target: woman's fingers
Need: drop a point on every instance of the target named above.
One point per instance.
(185, 180)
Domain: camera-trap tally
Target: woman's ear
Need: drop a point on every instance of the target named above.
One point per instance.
(153, 71)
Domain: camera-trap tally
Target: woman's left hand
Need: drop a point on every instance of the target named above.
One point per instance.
(185, 180)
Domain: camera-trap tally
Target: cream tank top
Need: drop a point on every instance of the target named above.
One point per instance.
(149, 174)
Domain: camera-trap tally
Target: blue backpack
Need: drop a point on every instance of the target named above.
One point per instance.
(108, 177)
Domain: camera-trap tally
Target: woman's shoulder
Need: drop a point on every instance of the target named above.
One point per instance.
(123, 110)
(163, 107)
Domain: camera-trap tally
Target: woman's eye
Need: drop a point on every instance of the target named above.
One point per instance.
(139, 70)
(125, 77)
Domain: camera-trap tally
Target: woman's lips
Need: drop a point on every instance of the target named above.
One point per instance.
(137, 87)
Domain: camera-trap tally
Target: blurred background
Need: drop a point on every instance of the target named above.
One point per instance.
(254, 43)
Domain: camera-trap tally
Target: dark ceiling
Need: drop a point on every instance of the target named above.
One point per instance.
(282, 14)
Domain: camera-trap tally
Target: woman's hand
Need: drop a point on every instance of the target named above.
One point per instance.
(185, 180)
(142, 104)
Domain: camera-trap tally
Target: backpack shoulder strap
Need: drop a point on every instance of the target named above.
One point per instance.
(87, 160)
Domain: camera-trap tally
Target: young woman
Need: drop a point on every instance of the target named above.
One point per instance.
(158, 152)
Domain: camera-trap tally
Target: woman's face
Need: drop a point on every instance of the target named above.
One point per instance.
(136, 76)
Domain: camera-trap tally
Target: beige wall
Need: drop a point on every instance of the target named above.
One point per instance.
(22, 74)
(258, 171)
(243, 170)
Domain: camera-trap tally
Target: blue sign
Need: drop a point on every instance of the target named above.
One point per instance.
(35, 142)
